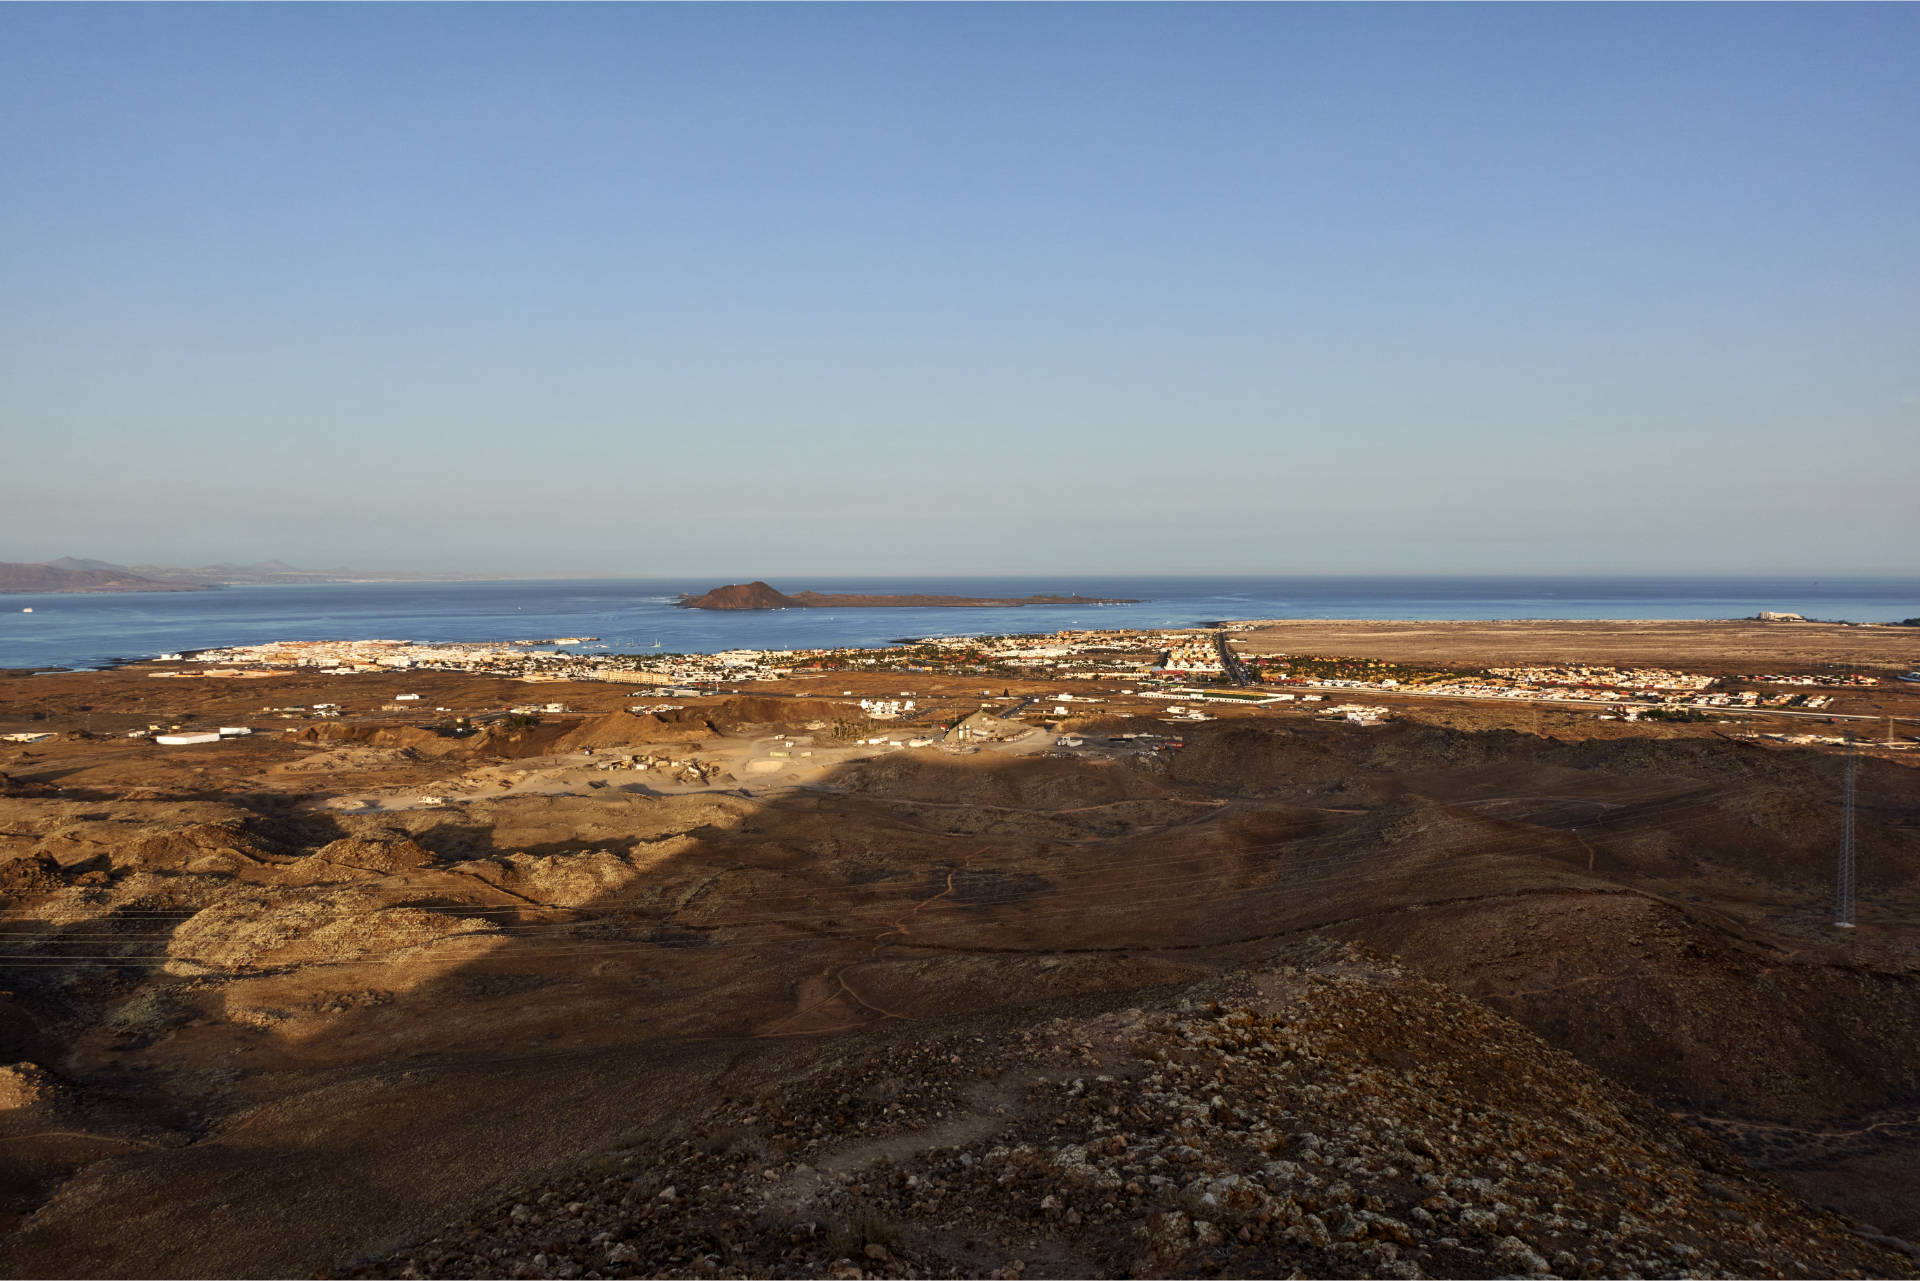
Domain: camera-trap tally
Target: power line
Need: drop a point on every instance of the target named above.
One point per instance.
(1843, 882)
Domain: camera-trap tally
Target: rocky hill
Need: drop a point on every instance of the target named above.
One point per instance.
(754, 595)
(1336, 1118)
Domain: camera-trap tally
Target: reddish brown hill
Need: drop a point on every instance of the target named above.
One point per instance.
(754, 595)
(757, 595)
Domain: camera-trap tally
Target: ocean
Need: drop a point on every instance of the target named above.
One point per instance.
(630, 615)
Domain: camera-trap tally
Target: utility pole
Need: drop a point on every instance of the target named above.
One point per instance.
(1843, 883)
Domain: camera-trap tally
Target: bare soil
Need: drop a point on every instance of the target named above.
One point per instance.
(363, 994)
(1731, 646)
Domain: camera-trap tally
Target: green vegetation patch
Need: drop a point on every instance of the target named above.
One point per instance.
(1322, 667)
(1679, 714)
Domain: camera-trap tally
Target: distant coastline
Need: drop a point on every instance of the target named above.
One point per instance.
(758, 595)
(637, 614)
(72, 575)
(33, 580)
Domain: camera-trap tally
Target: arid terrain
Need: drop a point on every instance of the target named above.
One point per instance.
(753, 984)
(1734, 644)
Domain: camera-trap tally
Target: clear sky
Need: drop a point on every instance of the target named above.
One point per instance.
(789, 289)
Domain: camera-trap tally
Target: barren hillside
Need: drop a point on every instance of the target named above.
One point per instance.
(357, 989)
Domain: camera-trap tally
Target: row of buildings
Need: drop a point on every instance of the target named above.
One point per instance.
(1142, 659)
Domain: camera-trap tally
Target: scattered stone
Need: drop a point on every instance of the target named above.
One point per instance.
(1281, 1136)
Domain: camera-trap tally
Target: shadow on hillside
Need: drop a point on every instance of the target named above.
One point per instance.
(662, 973)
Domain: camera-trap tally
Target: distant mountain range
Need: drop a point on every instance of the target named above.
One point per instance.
(82, 576)
(77, 574)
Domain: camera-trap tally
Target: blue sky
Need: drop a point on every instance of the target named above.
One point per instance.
(778, 290)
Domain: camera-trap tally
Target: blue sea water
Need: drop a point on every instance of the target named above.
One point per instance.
(630, 615)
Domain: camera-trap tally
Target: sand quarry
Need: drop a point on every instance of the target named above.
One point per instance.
(1476, 991)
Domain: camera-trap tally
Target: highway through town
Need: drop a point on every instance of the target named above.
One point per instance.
(1237, 671)
(1247, 678)
(1374, 692)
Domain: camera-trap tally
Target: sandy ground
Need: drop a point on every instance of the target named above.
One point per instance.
(1726, 646)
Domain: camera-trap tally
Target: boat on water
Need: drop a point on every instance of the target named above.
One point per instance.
(26, 609)
(1911, 676)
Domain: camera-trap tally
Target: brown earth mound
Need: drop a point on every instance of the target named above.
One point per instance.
(27, 1087)
(354, 854)
(422, 742)
(29, 874)
(202, 847)
(1045, 783)
(1348, 1119)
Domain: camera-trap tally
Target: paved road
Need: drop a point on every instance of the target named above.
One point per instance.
(1237, 671)
(1602, 703)
(1246, 677)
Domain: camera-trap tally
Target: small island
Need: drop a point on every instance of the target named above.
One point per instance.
(757, 595)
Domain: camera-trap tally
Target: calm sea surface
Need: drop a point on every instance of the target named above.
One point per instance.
(633, 614)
